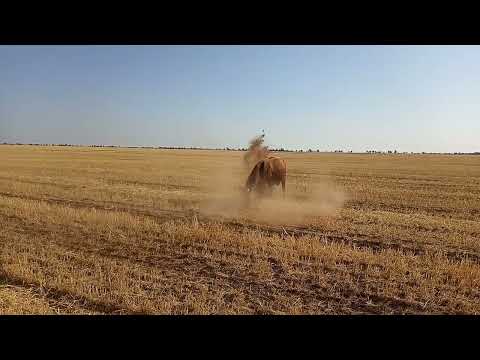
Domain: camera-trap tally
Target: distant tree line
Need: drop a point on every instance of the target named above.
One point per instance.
(384, 152)
(245, 149)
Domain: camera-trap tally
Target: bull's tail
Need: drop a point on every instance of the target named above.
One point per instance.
(267, 170)
(284, 178)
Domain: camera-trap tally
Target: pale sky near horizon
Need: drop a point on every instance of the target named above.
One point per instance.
(409, 98)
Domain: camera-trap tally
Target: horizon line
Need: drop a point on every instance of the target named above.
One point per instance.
(228, 148)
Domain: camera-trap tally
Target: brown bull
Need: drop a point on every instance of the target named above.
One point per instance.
(267, 173)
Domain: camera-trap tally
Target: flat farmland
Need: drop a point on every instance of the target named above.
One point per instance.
(149, 231)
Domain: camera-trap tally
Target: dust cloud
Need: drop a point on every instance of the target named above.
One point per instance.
(256, 151)
(306, 198)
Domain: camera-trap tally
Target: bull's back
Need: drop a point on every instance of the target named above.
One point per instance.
(279, 166)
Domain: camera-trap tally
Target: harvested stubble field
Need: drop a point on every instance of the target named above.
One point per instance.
(109, 230)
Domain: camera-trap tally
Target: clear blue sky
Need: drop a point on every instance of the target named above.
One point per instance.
(410, 98)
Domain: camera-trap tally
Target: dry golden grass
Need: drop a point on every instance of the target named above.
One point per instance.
(87, 231)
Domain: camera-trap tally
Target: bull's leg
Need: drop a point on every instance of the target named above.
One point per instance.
(283, 187)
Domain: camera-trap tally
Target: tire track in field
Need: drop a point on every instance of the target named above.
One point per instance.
(180, 262)
(58, 299)
(361, 241)
(452, 213)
